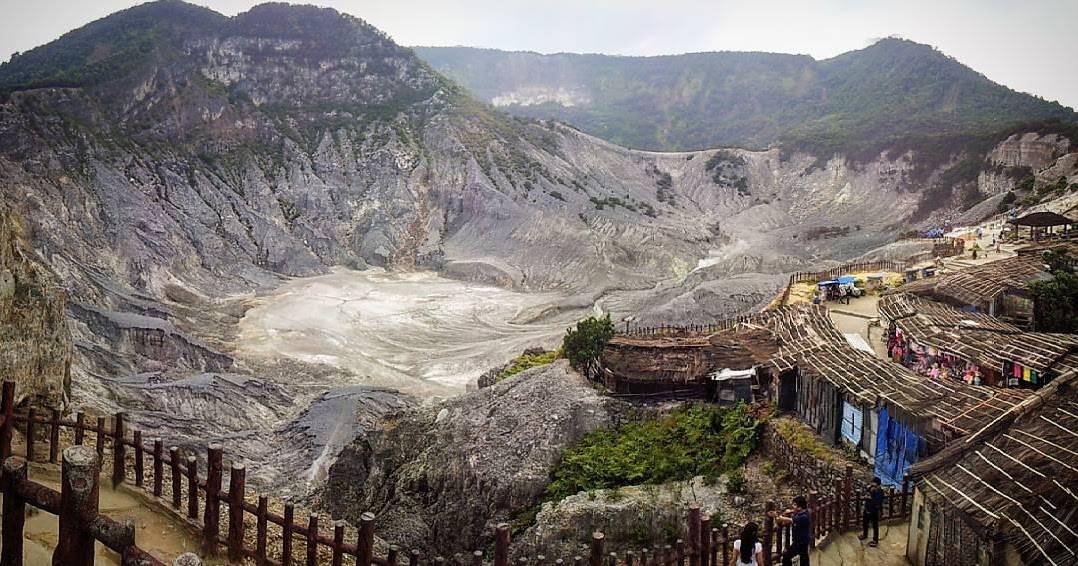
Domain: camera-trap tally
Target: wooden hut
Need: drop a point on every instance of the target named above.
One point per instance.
(998, 288)
(901, 416)
(1004, 355)
(1042, 224)
(681, 364)
(1008, 494)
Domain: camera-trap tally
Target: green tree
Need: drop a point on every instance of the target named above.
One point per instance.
(1055, 301)
(584, 345)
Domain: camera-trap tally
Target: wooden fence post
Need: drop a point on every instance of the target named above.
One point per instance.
(705, 540)
(140, 468)
(118, 462)
(769, 527)
(813, 501)
(192, 487)
(99, 441)
(261, 529)
(54, 437)
(14, 471)
(501, 545)
(596, 556)
(725, 548)
(78, 506)
(236, 491)
(312, 540)
(288, 532)
(694, 534)
(8, 407)
(211, 516)
(847, 496)
(80, 423)
(158, 466)
(338, 542)
(174, 469)
(31, 425)
(365, 546)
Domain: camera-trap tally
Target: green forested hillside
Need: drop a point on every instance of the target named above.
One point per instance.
(894, 89)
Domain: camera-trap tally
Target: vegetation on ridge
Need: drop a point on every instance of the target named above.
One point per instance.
(697, 440)
(855, 102)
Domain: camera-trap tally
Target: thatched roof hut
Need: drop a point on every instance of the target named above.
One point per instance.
(991, 344)
(1014, 483)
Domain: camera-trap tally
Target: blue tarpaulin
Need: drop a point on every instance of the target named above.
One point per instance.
(896, 449)
(846, 280)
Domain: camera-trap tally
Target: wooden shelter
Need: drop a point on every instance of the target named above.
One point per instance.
(1006, 495)
(1045, 221)
(997, 288)
(681, 364)
(1002, 352)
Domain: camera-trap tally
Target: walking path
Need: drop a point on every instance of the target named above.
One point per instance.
(157, 530)
(848, 550)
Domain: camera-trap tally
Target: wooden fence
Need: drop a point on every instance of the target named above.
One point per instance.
(176, 480)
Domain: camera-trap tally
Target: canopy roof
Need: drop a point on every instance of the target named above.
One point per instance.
(1043, 220)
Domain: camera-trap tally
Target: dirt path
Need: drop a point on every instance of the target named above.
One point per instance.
(157, 530)
(848, 550)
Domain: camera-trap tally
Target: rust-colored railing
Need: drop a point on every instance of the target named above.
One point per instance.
(199, 497)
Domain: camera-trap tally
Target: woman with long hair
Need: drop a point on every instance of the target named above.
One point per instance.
(747, 550)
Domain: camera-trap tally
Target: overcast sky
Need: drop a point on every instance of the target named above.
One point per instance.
(1028, 45)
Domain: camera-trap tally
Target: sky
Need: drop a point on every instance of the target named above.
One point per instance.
(1028, 45)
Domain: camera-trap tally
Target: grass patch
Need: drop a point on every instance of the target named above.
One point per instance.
(690, 441)
(803, 440)
(527, 361)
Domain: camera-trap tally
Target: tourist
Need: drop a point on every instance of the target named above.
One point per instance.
(747, 549)
(934, 373)
(871, 515)
(802, 531)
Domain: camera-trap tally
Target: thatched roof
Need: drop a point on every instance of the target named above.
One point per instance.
(1018, 477)
(981, 284)
(978, 338)
(956, 407)
(1043, 220)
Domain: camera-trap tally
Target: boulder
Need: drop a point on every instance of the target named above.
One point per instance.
(440, 477)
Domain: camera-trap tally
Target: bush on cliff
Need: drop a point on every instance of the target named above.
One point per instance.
(691, 441)
(527, 361)
(584, 344)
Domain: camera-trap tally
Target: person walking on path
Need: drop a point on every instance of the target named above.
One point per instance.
(801, 520)
(871, 515)
(747, 550)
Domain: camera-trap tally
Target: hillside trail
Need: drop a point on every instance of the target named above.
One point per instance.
(848, 550)
(157, 530)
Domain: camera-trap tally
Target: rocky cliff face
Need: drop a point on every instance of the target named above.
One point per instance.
(441, 477)
(35, 343)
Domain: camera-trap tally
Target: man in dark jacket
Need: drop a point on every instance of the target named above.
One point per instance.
(802, 537)
(871, 515)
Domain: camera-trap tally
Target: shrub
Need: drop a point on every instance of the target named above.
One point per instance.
(527, 361)
(736, 482)
(584, 344)
(690, 441)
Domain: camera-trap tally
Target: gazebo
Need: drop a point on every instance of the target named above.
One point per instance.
(1046, 220)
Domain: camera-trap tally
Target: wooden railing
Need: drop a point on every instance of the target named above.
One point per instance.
(675, 330)
(175, 479)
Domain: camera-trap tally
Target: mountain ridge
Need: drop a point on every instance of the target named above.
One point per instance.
(684, 102)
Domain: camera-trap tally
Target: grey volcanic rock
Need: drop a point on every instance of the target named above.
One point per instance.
(441, 476)
(35, 343)
(631, 518)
